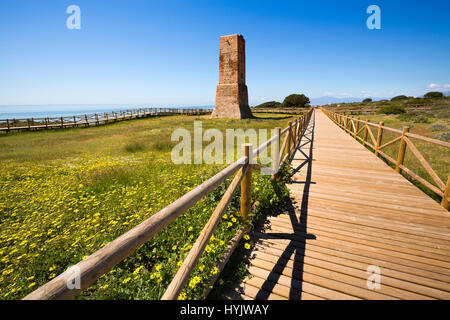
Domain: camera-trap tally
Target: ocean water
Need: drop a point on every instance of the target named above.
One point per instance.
(42, 111)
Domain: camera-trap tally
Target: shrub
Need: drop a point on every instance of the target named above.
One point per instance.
(415, 117)
(295, 101)
(269, 104)
(433, 95)
(367, 100)
(444, 136)
(399, 98)
(443, 114)
(437, 127)
(391, 110)
(134, 147)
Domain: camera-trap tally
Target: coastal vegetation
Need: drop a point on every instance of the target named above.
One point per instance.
(291, 101)
(66, 193)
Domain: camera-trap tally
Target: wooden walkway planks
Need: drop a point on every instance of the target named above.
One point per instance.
(348, 210)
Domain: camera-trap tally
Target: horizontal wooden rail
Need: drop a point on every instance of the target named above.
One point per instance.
(439, 188)
(8, 125)
(103, 260)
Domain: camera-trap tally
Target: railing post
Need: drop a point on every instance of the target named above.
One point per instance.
(246, 183)
(356, 128)
(288, 144)
(7, 124)
(96, 119)
(62, 122)
(445, 198)
(28, 123)
(366, 126)
(379, 136)
(401, 150)
(275, 149)
(86, 119)
(296, 125)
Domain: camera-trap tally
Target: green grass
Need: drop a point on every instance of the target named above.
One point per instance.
(66, 193)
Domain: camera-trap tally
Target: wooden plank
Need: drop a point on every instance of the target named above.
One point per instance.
(358, 262)
(357, 254)
(391, 286)
(376, 237)
(426, 258)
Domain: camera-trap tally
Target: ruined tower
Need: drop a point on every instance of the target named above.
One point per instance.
(231, 94)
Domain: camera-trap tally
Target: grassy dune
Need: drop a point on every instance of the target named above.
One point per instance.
(66, 193)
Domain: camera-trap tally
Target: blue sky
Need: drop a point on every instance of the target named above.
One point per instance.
(166, 52)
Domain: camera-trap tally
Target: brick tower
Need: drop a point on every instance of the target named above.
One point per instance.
(231, 94)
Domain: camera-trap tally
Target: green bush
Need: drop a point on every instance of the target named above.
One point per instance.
(296, 101)
(433, 95)
(269, 104)
(443, 114)
(367, 100)
(444, 136)
(437, 127)
(399, 98)
(415, 117)
(392, 110)
(134, 147)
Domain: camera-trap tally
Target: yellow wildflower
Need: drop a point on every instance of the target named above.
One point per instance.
(126, 280)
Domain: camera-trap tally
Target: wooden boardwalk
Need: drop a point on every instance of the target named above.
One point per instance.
(349, 212)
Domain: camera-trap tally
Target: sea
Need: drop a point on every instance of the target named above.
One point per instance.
(43, 111)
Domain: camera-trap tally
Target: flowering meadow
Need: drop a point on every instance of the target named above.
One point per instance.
(66, 193)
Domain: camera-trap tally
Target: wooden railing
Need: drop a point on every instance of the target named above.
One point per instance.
(355, 126)
(7, 125)
(100, 262)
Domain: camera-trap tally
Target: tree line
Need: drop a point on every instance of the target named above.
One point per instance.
(291, 101)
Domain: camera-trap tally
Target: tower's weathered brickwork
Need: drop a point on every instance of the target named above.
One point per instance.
(231, 94)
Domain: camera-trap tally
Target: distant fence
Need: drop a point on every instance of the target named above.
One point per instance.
(86, 120)
(356, 127)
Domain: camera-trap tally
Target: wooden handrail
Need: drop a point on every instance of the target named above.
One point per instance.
(100, 262)
(199, 246)
(440, 188)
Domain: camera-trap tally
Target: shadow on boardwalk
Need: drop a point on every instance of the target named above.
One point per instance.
(295, 250)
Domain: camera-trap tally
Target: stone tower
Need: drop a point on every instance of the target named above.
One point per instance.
(231, 94)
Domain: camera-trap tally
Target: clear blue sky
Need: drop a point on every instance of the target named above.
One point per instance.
(166, 52)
